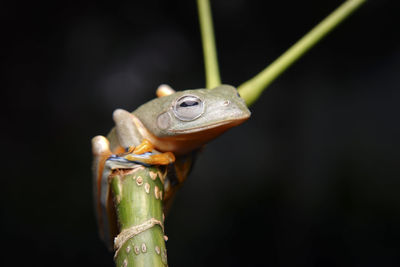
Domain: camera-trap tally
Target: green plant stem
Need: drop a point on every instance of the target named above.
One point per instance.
(253, 88)
(207, 35)
(135, 200)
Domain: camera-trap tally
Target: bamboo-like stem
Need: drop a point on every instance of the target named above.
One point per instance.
(253, 88)
(210, 53)
(138, 198)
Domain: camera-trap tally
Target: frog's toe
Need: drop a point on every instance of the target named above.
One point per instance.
(164, 90)
(145, 146)
(162, 159)
(152, 158)
(100, 145)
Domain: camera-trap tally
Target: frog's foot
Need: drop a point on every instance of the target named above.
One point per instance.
(152, 158)
(143, 154)
(101, 151)
(144, 147)
(100, 147)
(164, 90)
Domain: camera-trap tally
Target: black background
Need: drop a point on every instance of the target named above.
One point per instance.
(312, 179)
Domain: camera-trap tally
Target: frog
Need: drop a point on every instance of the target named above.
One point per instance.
(166, 131)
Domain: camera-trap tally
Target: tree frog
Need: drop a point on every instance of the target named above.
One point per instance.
(167, 130)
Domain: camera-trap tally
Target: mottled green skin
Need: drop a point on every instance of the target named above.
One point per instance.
(215, 111)
(217, 115)
(135, 206)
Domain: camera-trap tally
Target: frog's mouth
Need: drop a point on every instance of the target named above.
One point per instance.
(212, 127)
(182, 141)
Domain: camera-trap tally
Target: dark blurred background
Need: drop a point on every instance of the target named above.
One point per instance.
(313, 179)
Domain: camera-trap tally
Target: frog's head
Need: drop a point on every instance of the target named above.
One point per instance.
(195, 116)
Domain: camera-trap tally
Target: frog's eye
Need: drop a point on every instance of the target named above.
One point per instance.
(188, 108)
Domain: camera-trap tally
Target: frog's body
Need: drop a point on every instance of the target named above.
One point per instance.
(175, 124)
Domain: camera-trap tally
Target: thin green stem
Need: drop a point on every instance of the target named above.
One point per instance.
(210, 53)
(253, 88)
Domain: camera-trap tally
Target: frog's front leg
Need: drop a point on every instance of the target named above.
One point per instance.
(144, 154)
(101, 152)
(144, 147)
(127, 133)
(165, 158)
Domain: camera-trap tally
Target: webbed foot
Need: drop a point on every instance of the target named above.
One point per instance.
(152, 158)
(143, 154)
(144, 147)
